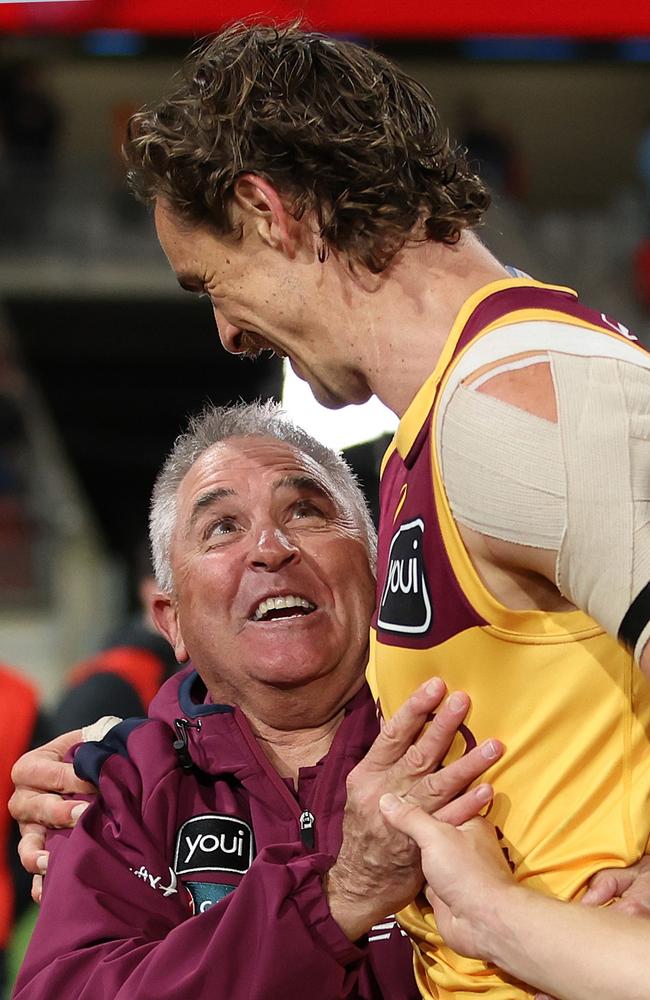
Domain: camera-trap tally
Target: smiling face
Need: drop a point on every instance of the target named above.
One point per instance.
(269, 291)
(273, 591)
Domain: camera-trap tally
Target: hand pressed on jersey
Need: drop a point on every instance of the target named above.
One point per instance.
(378, 870)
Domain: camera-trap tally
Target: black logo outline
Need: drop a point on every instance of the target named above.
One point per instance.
(244, 839)
(392, 626)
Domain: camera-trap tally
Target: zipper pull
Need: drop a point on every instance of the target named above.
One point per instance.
(181, 745)
(307, 828)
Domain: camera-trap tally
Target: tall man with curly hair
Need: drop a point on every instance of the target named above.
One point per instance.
(307, 187)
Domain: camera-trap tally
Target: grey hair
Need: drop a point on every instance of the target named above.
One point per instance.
(219, 423)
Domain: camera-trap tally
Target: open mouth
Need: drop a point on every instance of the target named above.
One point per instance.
(252, 346)
(287, 606)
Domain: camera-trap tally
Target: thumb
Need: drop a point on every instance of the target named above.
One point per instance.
(409, 818)
(604, 886)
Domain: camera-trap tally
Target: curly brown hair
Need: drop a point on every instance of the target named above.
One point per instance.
(336, 128)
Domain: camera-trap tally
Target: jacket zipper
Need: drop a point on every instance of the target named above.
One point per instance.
(308, 828)
(181, 745)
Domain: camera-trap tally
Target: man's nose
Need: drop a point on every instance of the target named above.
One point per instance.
(229, 334)
(272, 550)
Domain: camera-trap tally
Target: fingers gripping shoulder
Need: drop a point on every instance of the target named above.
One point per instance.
(90, 757)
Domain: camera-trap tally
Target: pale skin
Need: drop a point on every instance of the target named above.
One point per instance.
(256, 519)
(575, 953)
(269, 290)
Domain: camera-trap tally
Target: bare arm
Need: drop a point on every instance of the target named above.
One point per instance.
(573, 952)
(594, 553)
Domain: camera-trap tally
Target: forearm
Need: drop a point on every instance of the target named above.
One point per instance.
(569, 951)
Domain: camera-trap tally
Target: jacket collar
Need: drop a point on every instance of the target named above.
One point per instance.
(220, 739)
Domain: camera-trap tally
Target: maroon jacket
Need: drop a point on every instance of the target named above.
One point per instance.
(197, 873)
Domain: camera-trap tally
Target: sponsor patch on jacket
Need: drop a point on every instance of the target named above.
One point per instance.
(405, 604)
(206, 894)
(213, 843)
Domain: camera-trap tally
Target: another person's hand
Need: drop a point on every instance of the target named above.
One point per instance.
(464, 868)
(378, 872)
(627, 889)
(41, 778)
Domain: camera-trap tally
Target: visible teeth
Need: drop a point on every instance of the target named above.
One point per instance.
(273, 603)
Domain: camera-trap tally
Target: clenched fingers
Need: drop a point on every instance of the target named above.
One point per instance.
(37, 888)
(466, 806)
(31, 848)
(29, 805)
(398, 733)
(45, 769)
(434, 791)
(427, 753)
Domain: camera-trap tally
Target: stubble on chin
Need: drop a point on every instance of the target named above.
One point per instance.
(252, 347)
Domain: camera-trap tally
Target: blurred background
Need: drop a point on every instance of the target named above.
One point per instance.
(102, 356)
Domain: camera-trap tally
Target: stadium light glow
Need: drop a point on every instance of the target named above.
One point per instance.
(337, 428)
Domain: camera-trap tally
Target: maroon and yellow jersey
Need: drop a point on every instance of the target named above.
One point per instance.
(572, 792)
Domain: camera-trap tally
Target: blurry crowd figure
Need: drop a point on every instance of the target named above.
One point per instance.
(24, 728)
(365, 460)
(17, 524)
(30, 127)
(642, 254)
(125, 206)
(124, 675)
(120, 679)
(643, 169)
(491, 151)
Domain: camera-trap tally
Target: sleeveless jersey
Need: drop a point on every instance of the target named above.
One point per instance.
(572, 792)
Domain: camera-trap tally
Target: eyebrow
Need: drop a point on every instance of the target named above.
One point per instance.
(292, 482)
(207, 500)
(304, 483)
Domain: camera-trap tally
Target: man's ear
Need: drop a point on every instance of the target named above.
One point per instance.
(165, 617)
(264, 207)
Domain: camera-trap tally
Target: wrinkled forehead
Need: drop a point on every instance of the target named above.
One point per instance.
(246, 465)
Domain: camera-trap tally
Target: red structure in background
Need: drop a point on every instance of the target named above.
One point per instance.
(401, 18)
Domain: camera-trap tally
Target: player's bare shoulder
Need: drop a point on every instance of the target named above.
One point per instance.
(522, 380)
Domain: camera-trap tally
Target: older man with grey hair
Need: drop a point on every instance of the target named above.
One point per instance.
(217, 860)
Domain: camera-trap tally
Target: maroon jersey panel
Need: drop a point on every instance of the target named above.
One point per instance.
(419, 600)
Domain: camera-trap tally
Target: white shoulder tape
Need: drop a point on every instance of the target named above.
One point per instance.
(98, 730)
(580, 487)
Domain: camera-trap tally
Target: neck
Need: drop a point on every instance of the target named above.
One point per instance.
(295, 727)
(411, 309)
(289, 751)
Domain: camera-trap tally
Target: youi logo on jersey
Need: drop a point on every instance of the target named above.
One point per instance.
(405, 605)
(214, 843)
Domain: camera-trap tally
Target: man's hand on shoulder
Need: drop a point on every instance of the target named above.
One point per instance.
(41, 778)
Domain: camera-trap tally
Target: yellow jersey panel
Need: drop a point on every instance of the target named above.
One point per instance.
(572, 792)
